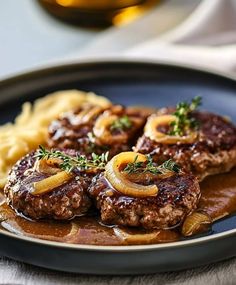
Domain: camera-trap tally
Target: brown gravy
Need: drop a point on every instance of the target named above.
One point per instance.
(219, 195)
(218, 200)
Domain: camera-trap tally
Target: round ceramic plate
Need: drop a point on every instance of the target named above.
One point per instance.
(126, 83)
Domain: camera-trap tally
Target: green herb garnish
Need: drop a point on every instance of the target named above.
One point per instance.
(184, 122)
(151, 167)
(121, 124)
(92, 146)
(70, 163)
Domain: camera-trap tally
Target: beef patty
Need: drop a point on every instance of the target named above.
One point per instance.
(64, 202)
(213, 152)
(75, 129)
(177, 197)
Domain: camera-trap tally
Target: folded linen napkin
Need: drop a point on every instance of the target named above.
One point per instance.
(207, 38)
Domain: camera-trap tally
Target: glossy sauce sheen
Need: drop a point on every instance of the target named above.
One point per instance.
(219, 195)
(218, 200)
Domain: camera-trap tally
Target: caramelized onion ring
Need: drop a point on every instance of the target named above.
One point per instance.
(141, 238)
(137, 177)
(87, 115)
(152, 132)
(48, 166)
(193, 222)
(102, 131)
(48, 184)
(121, 182)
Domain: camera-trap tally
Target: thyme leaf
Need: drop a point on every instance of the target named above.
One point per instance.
(133, 167)
(151, 167)
(122, 123)
(183, 120)
(70, 163)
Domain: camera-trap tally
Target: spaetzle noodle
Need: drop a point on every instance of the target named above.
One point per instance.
(30, 126)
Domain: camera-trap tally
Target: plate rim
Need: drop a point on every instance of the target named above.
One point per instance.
(120, 248)
(112, 61)
(35, 72)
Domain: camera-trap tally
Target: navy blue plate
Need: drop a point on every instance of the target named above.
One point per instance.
(135, 83)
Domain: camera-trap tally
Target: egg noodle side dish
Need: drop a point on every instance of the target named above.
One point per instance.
(30, 127)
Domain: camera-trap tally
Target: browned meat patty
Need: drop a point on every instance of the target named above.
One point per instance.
(213, 152)
(177, 197)
(75, 129)
(64, 202)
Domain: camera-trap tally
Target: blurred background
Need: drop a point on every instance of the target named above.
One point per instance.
(37, 33)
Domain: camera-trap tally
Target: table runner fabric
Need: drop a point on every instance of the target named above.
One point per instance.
(206, 39)
(17, 273)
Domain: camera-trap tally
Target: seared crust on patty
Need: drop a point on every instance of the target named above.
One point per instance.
(68, 132)
(213, 152)
(64, 202)
(177, 197)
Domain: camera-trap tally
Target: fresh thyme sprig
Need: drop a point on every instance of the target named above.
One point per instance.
(70, 163)
(151, 167)
(122, 123)
(92, 146)
(183, 121)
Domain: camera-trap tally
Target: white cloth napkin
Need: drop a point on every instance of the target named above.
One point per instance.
(207, 38)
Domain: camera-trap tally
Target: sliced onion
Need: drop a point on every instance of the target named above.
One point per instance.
(193, 223)
(120, 181)
(147, 176)
(72, 236)
(151, 131)
(48, 166)
(136, 238)
(51, 182)
(102, 131)
(87, 115)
